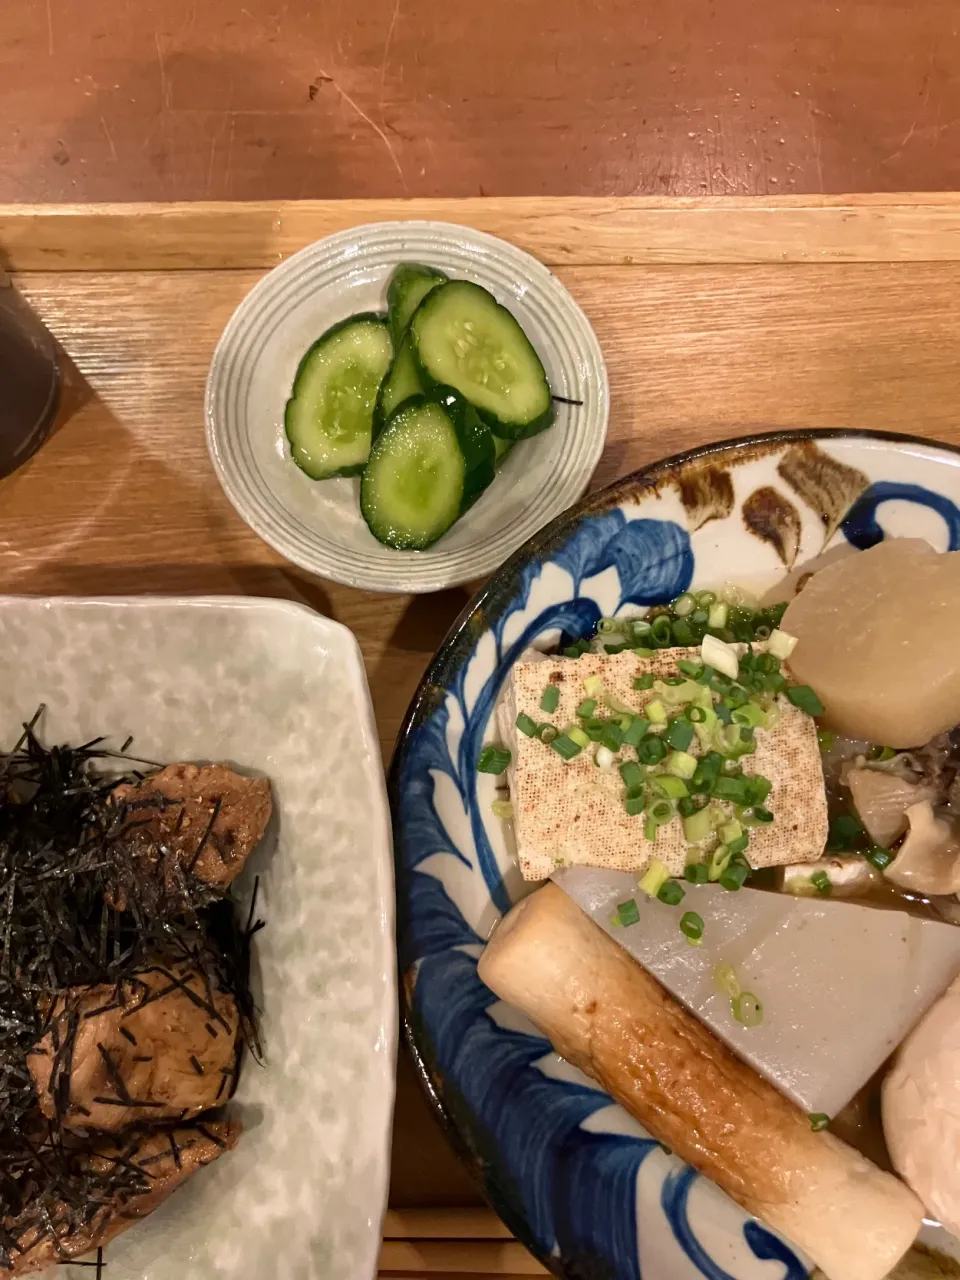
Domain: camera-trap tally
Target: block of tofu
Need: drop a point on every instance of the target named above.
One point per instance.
(841, 983)
(571, 812)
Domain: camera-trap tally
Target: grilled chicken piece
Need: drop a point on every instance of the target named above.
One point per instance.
(201, 820)
(165, 1158)
(157, 1047)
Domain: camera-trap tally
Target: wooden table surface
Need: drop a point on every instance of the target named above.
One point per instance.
(175, 99)
(717, 318)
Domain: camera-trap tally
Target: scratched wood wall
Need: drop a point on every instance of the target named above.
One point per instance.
(178, 99)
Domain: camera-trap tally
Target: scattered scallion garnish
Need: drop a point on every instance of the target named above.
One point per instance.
(747, 1009)
(526, 725)
(671, 893)
(818, 1121)
(565, 746)
(628, 912)
(879, 857)
(691, 926)
(802, 696)
(493, 759)
(695, 873)
(550, 699)
(821, 882)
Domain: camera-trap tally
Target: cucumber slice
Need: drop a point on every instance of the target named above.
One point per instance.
(409, 285)
(467, 341)
(501, 448)
(329, 416)
(432, 460)
(402, 382)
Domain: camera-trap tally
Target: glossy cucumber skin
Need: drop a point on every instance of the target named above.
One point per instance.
(409, 278)
(505, 428)
(476, 447)
(404, 366)
(361, 317)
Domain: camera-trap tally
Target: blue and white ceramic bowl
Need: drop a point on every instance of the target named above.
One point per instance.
(572, 1174)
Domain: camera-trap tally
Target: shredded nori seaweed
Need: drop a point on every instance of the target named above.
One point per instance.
(65, 868)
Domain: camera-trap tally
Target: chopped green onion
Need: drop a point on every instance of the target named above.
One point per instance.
(681, 764)
(654, 878)
(576, 734)
(751, 715)
(720, 656)
(628, 912)
(695, 872)
(726, 980)
(632, 775)
(706, 598)
(671, 893)
(548, 733)
(634, 805)
(673, 788)
(739, 844)
(682, 690)
(763, 816)
(747, 1009)
(697, 715)
(615, 648)
(879, 858)
(758, 788)
(882, 753)
(691, 926)
(642, 652)
(612, 736)
(550, 699)
(650, 749)
(717, 617)
(661, 631)
(565, 746)
(802, 696)
(493, 760)
(637, 728)
(577, 650)
(650, 830)
(643, 682)
(821, 882)
(606, 625)
(679, 734)
(593, 686)
(656, 712)
(639, 627)
(734, 789)
(526, 725)
(586, 708)
(698, 826)
(818, 1121)
(684, 605)
(734, 876)
(686, 805)
(683, 633)
(502, 809)
(660, 811)
(730, 831)
(720, 860)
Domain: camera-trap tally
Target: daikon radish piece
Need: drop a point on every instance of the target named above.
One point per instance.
(819, 965)
(605, 1014)
(877, 640)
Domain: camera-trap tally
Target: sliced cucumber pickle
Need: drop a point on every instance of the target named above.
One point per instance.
(466, 340)
(432, 460)
(401, 382)
(409, 285)
(329, 416)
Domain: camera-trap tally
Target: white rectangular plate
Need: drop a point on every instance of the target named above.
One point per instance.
(278, 690)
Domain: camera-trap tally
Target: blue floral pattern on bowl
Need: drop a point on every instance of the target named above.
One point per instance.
(575, 1178)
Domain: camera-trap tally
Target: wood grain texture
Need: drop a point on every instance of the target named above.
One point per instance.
(123, 499)
(560, 232)
(172, 99)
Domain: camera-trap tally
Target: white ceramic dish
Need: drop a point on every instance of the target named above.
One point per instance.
(318, 525)
(280, 690)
